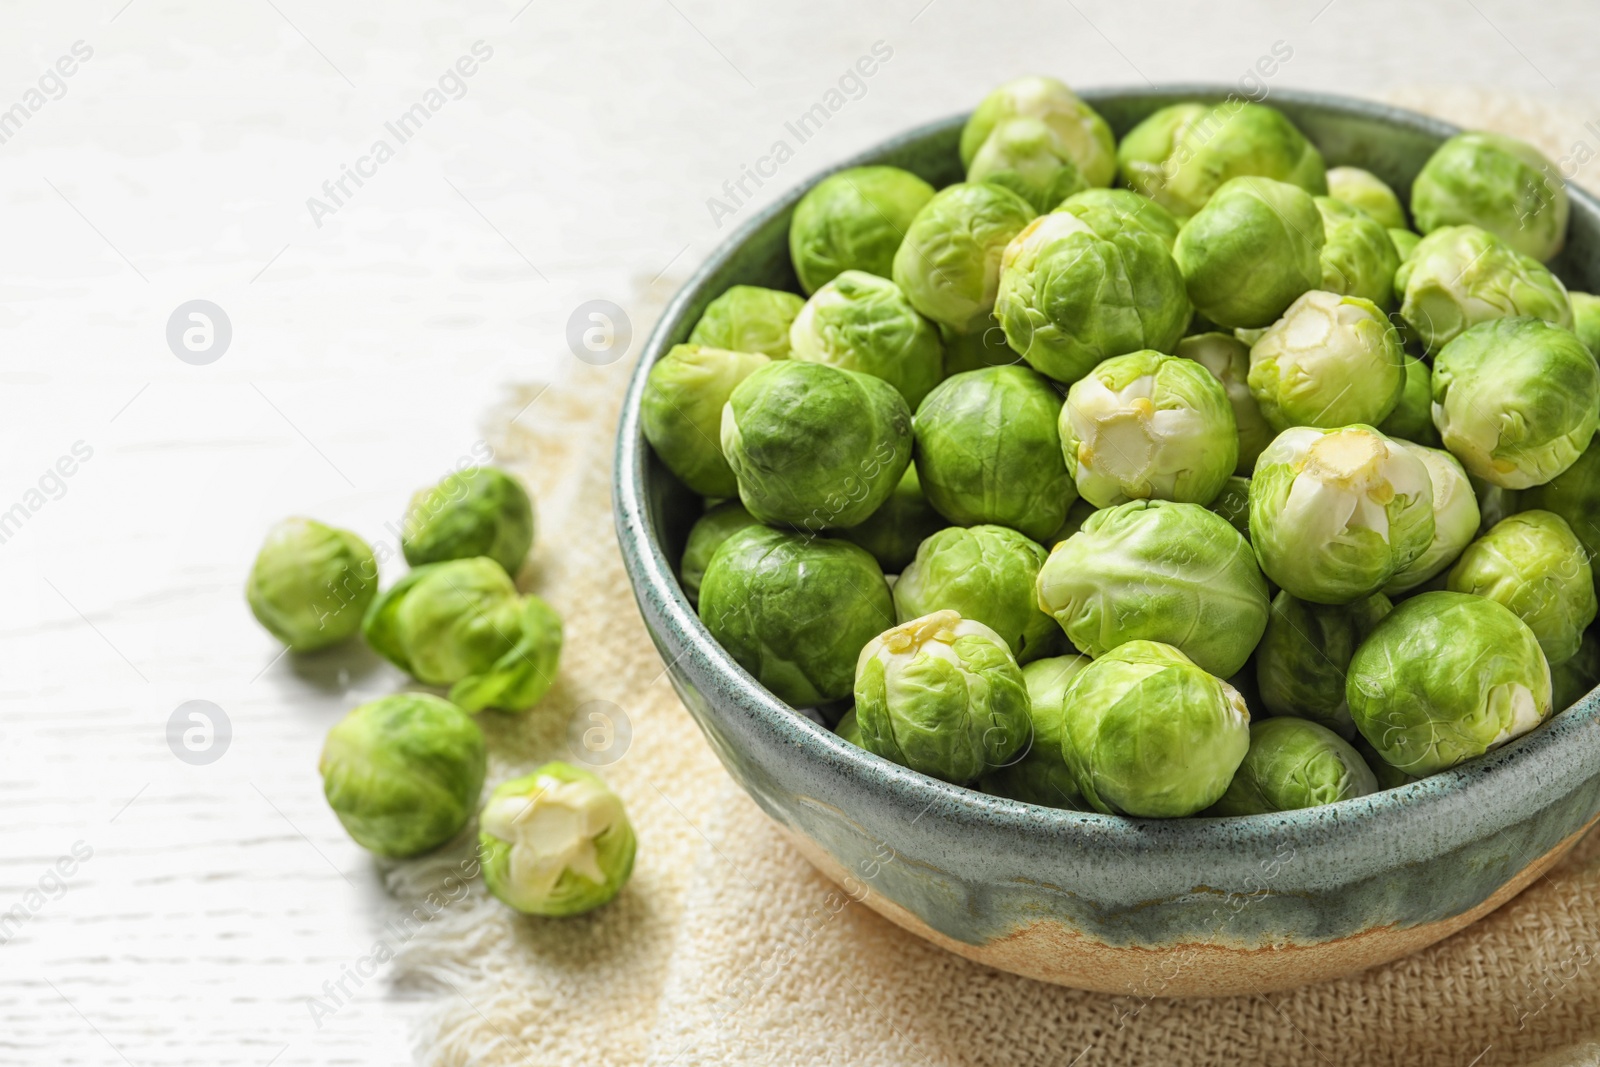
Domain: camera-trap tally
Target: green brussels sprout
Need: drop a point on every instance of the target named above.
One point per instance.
(989, 451)
(1367, 193)
(1025, 156)
(1293, 764)
(1388, 777)
(1498, 183)
(1147, 425)
(748, 318)
(1071, 297)
(1233, 504)
(463, 624)
(949, 262)
(1586, 320)
(479, 511)
(795, 610)
(1446, 677)
(1534, 565)
(853, 220)
(1154, 570)
(1252, 250)
(849, 728)
(1109, 211)
(1412, 417)
(941, 695)
(403, 773)
(1456, 519)
(705, 537)
(1573, 494)
(1077, 515)
(1405, 242)
(987, 574)
(1076, 126)
(1303, 657)
(556, 842)
(1146, 732)
(982, 348)
(311, 583)
(1228, 360)
(681, 412)
(1040, 775)
(1460, 276)
(1182, 155)
(1358, 258)
(893, 532)
(815, 446)
(1336, 514)
(1331, 361)
(862, 322)
(1516, 400)
(1577, 677)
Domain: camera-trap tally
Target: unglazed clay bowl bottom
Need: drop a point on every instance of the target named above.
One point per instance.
(1136, 906)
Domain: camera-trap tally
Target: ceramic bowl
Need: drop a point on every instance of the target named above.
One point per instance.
(1135, 906)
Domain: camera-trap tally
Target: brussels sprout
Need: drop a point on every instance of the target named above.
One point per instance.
(987, 574)
(462, 624)
(1405, 242)
(1330, 361)
(681, 412)
(1077, 128)
(988, 451)
(949, 262)
(1368, 193)
(555, 842)
(941, 695)
(849, 729)
(748, 318)
(862, 322)
(1335, 514)
(1498, 183)
(1233, 504)
(480, 511)
(1228, 359)
(1534, 565)
(795, 611)
(1148, 733)
(311, 583)
(1147, 425)
(403, 773)
(1110, 211)
(1460, 276)
(982, 348)
(1292, 764)
(1251, 251)
(1444, 678)
(1182, 155)
(1153, 570)
(1412, 417)
(705, 537)
(893, 532)
(1027, 157)
(1456, 519)
(1388, 777)
(1077, 515)
(853, 220)
(1578, 676)
(1574, 495)
(1303, 657)
(1516, 400)
(1040, 775)
(1586, 320)
(1071, 297)
(1358, 258)
(814, 446)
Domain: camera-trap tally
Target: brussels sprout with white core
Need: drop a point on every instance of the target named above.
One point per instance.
(1228, 360)
(479, 511)
(1109, 211)
(681, 412)
(1331, 361)
(1358, 257)
(949, 262)
(1460, 276)
(705, 537)
(311, 584)
(987, 574)
(1145, 426)
(1498, 183)
(1026, 156)
(1148, 733)
(1041, 775)
(1446, 677)
(1456, 519)
(941, 695)
(1155, 570)
(1366, 192)
(555, 842)
(1294, 764)
(1534, 565)
(1251, 251)
(853, 220)
(1412, 417)
(748, 318)
(1516, 400)
(1335, 514)
(862, 322)
(1303, 657)
(1081, 132)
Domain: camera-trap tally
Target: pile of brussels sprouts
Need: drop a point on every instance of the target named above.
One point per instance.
(1228, 489)
(404, 772)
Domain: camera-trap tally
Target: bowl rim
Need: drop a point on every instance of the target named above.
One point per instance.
(1519, 777)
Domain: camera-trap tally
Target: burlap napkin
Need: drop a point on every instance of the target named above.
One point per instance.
(728, 948)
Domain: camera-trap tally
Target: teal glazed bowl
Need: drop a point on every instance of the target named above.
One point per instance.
(1120, 905)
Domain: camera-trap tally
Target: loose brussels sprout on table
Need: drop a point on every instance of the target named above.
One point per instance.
(1331, 361)
(1253, 249)
(479, 511)
(1534, 565)
(1294, 764)
(403, 773)
(1358, 256)
(681, 412)
(987, 574)
(705, 537)
(311, 584)
(862, 322)
(1498, 183)
(1040, 775)
(853, 220)
(748, 318)
(1228, 359)
(555, 842)
(949, 262)
(1460, 276)
(1082, 134)
(1305, 652)
(1366, 192)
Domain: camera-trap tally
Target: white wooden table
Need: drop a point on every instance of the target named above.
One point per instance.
(370, 334)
